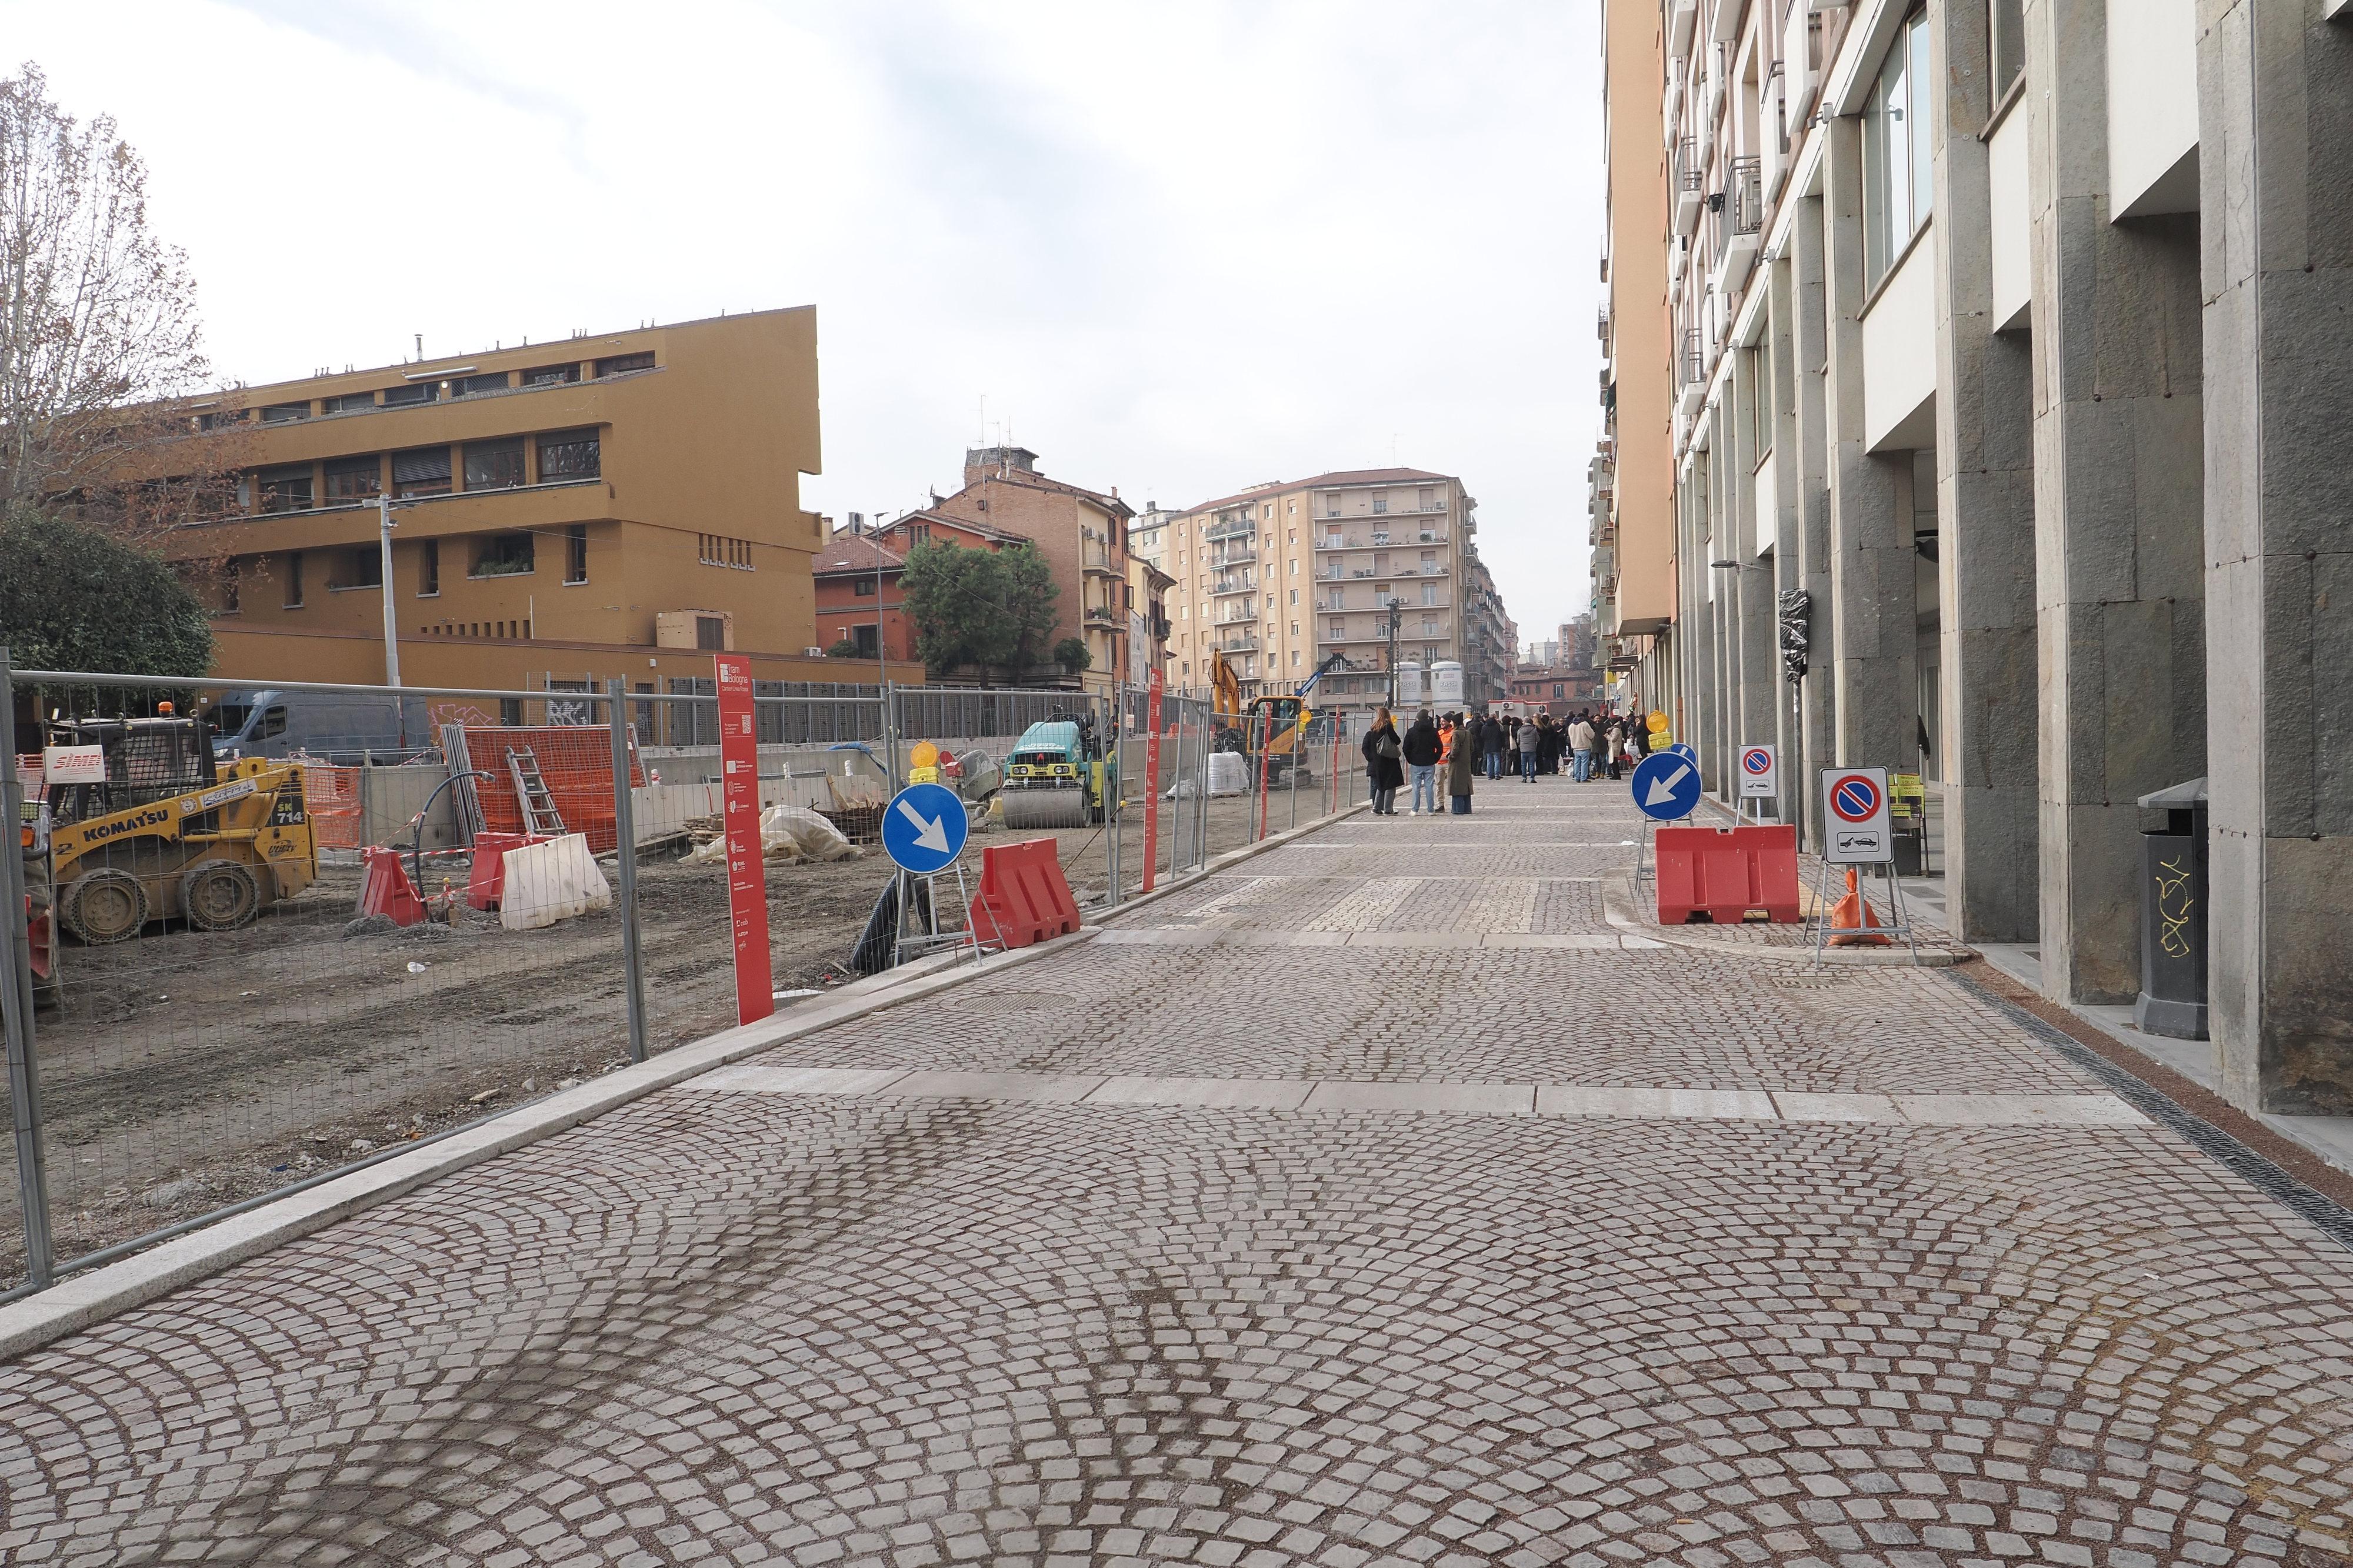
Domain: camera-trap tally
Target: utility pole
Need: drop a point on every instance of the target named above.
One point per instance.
(1392, 629)
(391, 614)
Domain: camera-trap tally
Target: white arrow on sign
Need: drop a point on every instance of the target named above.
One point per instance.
(931, 832)
(1663, 790)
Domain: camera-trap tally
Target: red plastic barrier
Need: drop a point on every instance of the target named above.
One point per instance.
(1024, 896)
(385, 887)
(1727, 873)
(487, 878)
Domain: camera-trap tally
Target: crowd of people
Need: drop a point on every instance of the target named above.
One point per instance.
(1442, 754)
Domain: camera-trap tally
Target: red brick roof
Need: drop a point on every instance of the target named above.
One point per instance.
(854, 552)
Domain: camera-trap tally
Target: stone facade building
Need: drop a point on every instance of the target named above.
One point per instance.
(1998, 349)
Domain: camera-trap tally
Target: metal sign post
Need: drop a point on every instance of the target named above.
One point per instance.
(924, 829)
(1666, 788)
(1760, 778)
(1858, 832)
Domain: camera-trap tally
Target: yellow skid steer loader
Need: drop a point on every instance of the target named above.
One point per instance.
(172, 834)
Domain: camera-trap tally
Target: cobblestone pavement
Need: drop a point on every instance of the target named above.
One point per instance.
(1274, 1254)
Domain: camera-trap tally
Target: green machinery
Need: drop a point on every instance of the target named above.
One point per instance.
(1058, 775)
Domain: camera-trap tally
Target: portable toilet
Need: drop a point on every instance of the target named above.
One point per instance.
(1446, 683)
(1409, 684)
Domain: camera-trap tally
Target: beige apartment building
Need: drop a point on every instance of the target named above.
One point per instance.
(1630, 476)
(1285, 574)
(2008, 380)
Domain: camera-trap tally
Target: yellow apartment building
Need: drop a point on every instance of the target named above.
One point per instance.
(613, 504)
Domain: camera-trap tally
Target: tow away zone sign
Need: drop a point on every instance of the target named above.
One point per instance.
(1854, 802)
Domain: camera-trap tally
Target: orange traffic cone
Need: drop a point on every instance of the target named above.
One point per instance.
(1852, 915)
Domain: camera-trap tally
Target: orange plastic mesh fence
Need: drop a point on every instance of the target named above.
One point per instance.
(332, 798)
(575, 760)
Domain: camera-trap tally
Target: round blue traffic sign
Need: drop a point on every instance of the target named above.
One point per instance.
(925, 827)
(1666, 785)
(1685, 752)
(1856, 799)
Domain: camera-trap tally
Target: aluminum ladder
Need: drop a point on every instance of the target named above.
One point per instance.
(540, 818)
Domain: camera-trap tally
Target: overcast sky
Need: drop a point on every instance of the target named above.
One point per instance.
(1182, 248)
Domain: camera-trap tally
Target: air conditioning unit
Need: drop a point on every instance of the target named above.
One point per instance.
(814, 652)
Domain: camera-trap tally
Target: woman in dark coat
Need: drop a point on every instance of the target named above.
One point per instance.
(1384, 763)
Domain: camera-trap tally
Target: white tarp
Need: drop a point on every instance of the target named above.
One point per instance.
(1228, 773)
(544, 883)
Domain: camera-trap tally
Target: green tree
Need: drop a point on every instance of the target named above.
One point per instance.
(986, 607)
(1072, 654)
(74, 598)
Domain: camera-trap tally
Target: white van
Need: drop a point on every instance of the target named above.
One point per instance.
(343, 727)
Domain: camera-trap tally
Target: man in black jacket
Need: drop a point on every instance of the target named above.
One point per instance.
(1421, 760)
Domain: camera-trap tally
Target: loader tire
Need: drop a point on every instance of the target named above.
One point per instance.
(103, 906)
(220, 895)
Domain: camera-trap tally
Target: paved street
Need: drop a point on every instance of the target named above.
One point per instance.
(1378, 1202)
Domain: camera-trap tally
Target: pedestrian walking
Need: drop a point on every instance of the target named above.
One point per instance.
(1459, 774)
(1422, 749)
(1383, 763)
(1580, 743)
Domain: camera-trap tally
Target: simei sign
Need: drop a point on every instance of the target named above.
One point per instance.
(1856, 826)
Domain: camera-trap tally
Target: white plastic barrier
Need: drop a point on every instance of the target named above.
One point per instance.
(549, 882)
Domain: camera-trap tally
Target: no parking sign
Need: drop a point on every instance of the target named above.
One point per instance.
(1760, 774)
(1855, 812)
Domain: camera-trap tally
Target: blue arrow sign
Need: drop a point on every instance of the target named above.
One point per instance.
(925, 827)
(1666, 785)
(1684, 751)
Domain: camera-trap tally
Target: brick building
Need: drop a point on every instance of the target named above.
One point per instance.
(858, 600)
(1083, 534)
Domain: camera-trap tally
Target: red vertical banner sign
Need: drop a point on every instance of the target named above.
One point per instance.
(747, 877)
(1151, 777)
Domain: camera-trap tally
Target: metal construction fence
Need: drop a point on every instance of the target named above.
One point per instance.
(230, 975)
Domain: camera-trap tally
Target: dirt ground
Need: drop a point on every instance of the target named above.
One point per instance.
(188, 1071)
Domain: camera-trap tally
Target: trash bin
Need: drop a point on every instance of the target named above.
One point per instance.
(2172, 1000)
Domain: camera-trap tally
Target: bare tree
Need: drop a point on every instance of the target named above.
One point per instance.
(100, 348)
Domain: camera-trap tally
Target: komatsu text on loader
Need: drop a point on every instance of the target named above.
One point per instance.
(172, 834)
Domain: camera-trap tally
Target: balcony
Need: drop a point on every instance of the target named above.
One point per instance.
(1690, 193)
(1739, 210)
(1692, 365)
(1236, 585)
(1385, 539)
(1096, 558)
(1237, 644)
(1230, 528)
(1097, 616)
(1682, 20)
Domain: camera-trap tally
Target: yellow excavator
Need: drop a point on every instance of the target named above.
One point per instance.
(1278, 723)
(171, 834)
